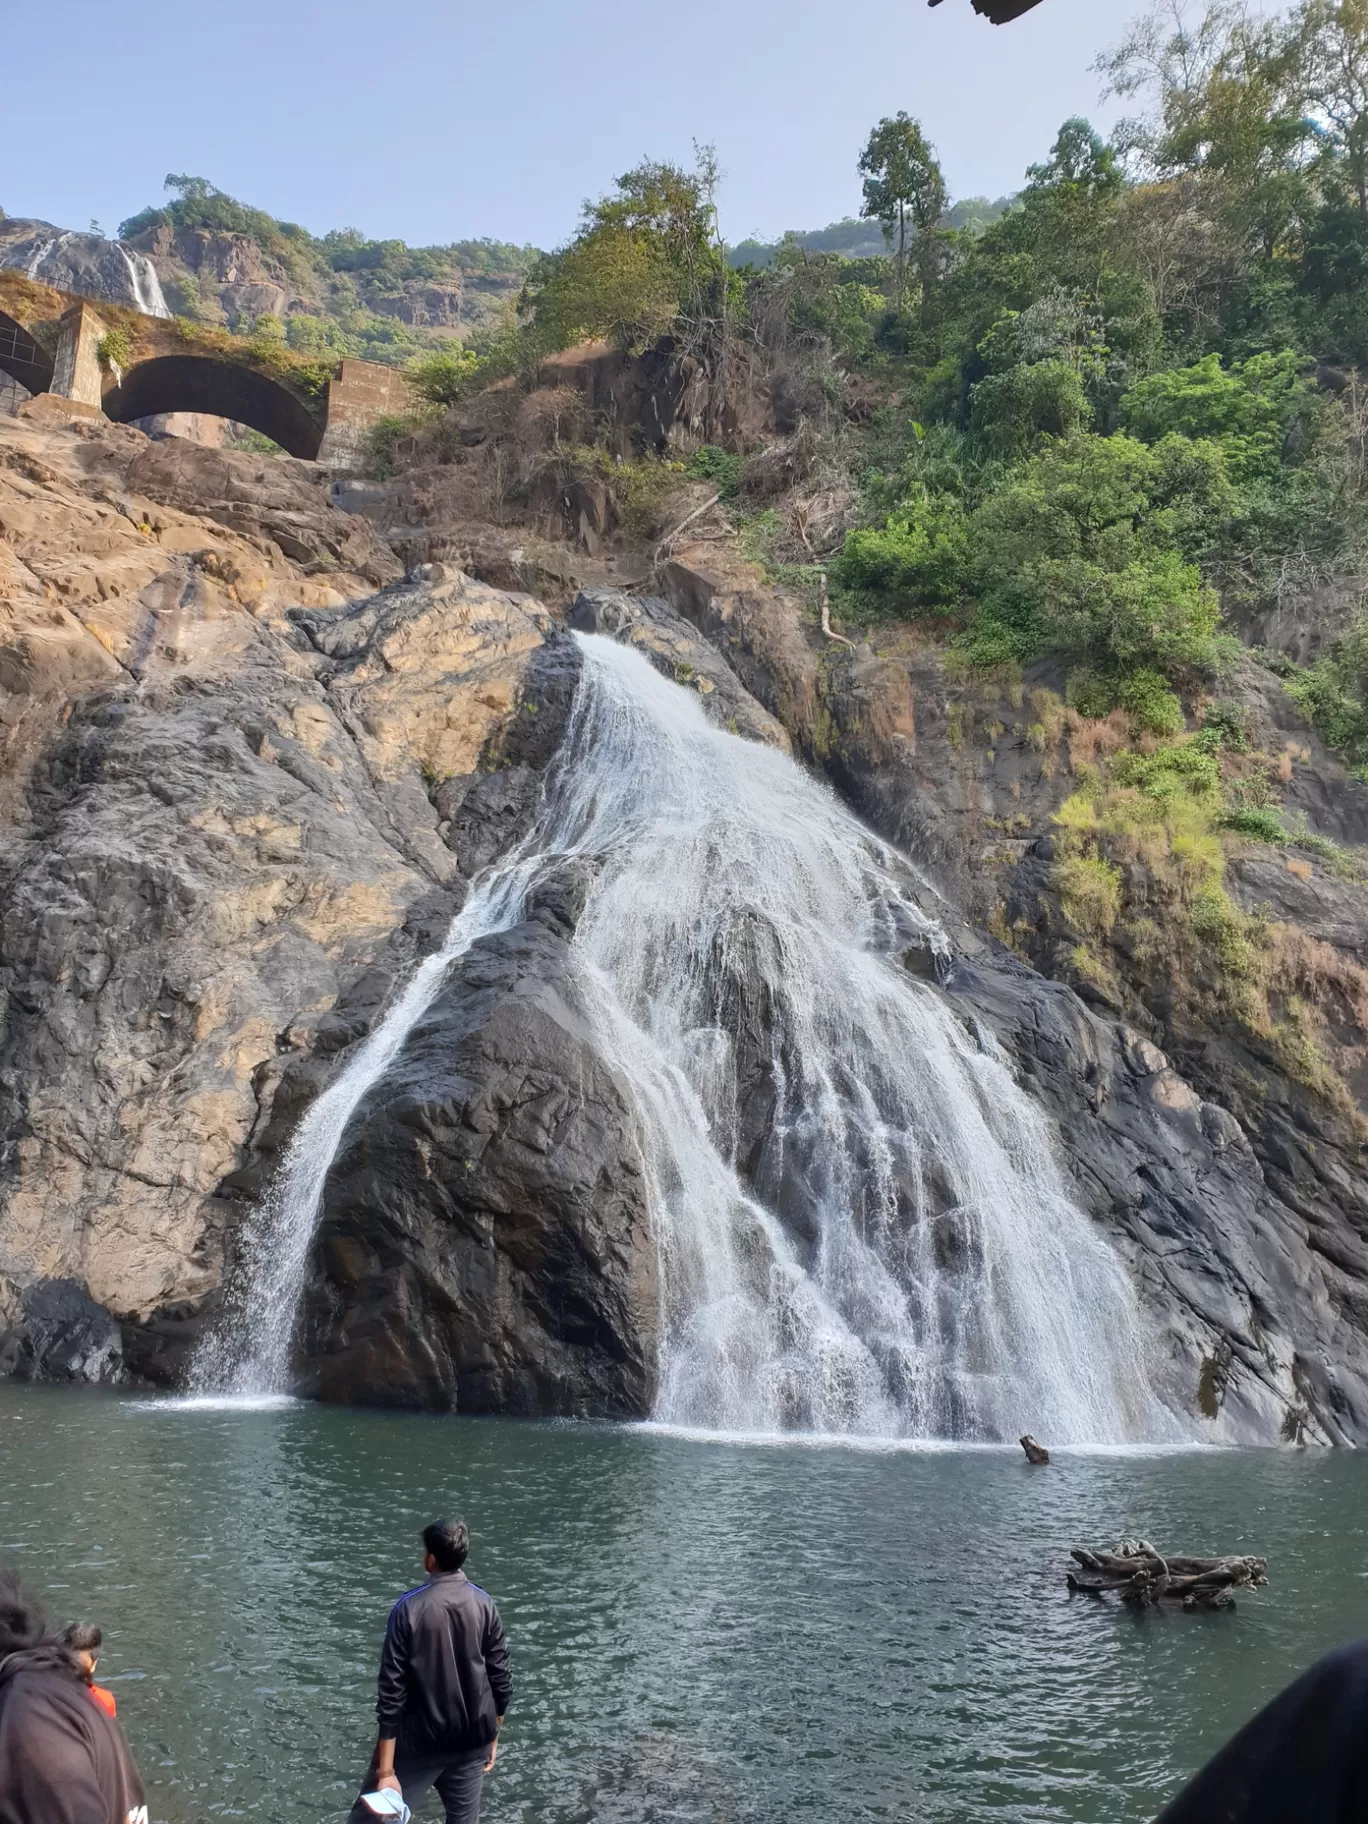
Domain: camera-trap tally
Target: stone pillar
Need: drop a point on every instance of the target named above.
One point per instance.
(76, 367)
(362, 393)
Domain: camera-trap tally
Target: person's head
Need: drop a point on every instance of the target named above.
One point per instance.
(84, 1639)
(445, 1544)
(22, 1623)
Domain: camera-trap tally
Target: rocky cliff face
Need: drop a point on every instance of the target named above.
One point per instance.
(247, 775)
(220, 277)
(237, 803)
(91, 265)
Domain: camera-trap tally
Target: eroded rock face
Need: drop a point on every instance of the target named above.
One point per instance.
(246, 777)
(1262, 1326)
(220, 848)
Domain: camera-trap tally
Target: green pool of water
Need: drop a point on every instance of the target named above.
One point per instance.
(701, 1630)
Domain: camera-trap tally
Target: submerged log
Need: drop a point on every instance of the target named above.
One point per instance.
(1035, 1453)
(1143, 1577)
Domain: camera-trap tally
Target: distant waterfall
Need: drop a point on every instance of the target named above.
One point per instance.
(43, 250)
(862, 1227)
(142, 274)
(96, 267)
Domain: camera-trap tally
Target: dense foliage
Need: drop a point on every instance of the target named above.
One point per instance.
(1132, 395)
(1103, 410)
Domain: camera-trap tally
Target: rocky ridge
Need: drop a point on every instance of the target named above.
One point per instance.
(225, 277)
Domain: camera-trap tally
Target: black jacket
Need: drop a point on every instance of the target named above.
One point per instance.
(1303, 1759)
(62, 1759)
(444, 1679)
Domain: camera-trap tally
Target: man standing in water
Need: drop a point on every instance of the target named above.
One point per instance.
(444, 1685)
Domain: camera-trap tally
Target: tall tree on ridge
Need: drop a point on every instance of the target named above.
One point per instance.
(903, 182)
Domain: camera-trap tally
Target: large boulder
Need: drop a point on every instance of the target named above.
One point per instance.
(485, 1241)
(52, 1330)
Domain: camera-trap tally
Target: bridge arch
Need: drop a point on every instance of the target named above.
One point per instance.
(222, 389)
(22, 358)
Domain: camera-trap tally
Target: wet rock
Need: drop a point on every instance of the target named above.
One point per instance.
(485, 1242)
(1226, 1268)
(54, 1331)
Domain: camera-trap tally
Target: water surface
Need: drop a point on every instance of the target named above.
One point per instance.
(702, 1631)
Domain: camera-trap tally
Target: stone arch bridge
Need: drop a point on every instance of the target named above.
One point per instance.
(53, 343)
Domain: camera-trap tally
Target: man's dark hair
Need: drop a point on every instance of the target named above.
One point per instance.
(448, 1541)
(82, 1637)
(22, 1623)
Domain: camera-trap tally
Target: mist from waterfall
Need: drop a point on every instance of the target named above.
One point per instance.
(862, 1226)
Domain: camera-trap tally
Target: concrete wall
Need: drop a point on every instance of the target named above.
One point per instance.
(76, 371)
(362, 393)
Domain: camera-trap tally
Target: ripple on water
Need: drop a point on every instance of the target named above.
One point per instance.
(704, 1631)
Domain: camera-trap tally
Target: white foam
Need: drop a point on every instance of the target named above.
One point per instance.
(216, 1402)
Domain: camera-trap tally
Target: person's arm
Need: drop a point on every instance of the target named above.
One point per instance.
(391, 1696)
(500, 1679)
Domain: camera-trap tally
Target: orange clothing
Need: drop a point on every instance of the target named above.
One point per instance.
(104, 1698)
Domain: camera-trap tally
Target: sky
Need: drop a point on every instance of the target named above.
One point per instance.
(439, 120)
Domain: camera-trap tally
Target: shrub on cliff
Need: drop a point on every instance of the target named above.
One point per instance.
(1247, 409)
(1082, 551)
(445, 376)
(916, 564)
(1333, 693)
(646, 255)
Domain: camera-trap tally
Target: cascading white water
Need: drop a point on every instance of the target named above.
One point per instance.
(46, 260)
(861, 1224)
(147, 291)
(53, 243)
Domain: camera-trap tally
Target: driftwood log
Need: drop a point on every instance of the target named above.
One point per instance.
(1144, 1577)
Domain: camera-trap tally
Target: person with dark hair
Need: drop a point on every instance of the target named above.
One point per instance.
(1302, 1760)
(85, 1640)
(444, 1685)
(63, 1759)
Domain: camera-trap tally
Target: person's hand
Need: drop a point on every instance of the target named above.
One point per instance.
(388, 1782)
(493, 1755)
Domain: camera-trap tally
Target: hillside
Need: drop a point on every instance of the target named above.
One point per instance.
(856, 238)
(1042, 539)
(223, 263)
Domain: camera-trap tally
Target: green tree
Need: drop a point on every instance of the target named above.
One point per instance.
(1231, 110)
(1247, 409)
(1331, 45)
(443, 377)
(903, 183)
(1082, 551)
(645, 256)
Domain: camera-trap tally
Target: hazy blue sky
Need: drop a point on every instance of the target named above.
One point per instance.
(434, 120)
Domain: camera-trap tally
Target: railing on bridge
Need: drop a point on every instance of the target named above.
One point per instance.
(20, 348)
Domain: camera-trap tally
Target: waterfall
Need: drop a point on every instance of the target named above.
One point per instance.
(147, 291)
(83, 262)
(861, 1223)
(46, 247)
